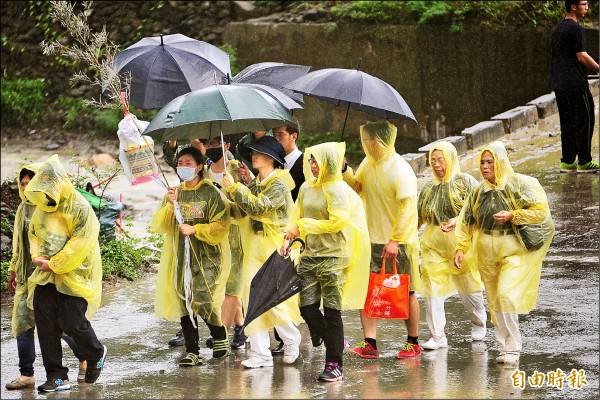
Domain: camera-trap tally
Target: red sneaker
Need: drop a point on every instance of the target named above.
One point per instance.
(409, 350)
(365, 350)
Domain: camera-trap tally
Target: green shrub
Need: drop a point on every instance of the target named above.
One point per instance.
(233, 61)
(4, 274)
(106, 121)
(354, 153)
(76, 111)
(23, 100)
(120, 259)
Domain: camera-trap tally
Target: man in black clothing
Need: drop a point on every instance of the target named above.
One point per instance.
(568, 79)
(287, 135)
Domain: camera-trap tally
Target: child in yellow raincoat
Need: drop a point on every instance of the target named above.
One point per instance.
(388, 186)
(506, 219)
(334, 267)
(66, 287)
(440, 201)
(191, 281)
(21, 267)
(267, 201)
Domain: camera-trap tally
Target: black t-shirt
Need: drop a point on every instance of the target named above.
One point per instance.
(566, 72)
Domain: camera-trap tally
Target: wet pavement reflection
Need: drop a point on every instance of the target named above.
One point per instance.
(560, 334)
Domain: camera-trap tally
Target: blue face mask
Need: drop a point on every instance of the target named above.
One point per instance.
(187, 174)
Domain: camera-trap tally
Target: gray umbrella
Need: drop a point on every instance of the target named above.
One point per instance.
(165, 67)
(351, 88)
(273, 74)
(278, 95)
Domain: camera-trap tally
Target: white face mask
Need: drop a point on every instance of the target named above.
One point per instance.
(187, 173)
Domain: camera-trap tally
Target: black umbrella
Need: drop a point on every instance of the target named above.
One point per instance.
(273, 74)
(275, 282)
(165, 67)
(352, 88)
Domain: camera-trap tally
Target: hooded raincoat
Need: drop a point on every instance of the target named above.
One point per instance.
(21, 263)
(332, 222)
(388, 186)
(440, 200)
(268, 205)
(67, 233)
(204, 207)
(510, 272)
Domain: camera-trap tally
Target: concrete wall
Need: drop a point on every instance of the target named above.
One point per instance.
(450, 81)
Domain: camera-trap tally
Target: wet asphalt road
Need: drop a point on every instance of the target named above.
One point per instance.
(561, 333)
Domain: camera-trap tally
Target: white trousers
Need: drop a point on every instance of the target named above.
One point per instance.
(507, 330)
(261, 341)
(436, 314)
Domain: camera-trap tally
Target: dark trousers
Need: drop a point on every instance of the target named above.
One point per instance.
(56, 313)
(191, 337)
(329, 327)
(26, 348)
(576, 112)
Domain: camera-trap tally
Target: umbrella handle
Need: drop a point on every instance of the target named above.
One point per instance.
(302, 245)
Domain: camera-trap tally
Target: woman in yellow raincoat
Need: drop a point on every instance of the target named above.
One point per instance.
(334, 267)
(507, 221)
(440, 202)
(267, 201)
(192, 273)
(388, 186)
(66, 287)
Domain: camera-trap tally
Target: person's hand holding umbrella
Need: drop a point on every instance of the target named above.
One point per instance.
(227, 179)
(290, 234)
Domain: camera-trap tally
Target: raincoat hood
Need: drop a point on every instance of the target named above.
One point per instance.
(452, 164)
(377, 139)
(51, 181)
(502, 168)
(35, 167)
(283, 174)
(329, 157)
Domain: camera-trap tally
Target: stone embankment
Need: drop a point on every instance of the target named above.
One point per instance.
(487, 131)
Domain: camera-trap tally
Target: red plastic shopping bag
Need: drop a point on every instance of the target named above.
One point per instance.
(388, 294)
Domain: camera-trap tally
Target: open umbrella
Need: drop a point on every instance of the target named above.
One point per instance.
(164, 67)
(275, 282)
(352, 88)
(215, 110)
(273, 74)
(286, 101)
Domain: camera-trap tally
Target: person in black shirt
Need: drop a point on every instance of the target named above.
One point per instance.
(568, 79)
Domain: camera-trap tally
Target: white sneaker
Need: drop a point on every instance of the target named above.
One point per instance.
(511, 357)
(478, 332)
(291, 352)
(500, 358)
(257, 362)
(433, 344)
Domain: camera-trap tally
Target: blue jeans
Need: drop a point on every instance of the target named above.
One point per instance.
(26, 349)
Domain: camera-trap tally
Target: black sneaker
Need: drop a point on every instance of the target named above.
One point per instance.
(177, 340)
(239, 338)
(55, 385)
(333, 372)
(210, 342)
(92, 373)
(277, 351)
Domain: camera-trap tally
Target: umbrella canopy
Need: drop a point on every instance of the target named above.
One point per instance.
(215, 110)
(275, 282)
(165, 67)
(285, 100)
(355, 89)
(273, 74)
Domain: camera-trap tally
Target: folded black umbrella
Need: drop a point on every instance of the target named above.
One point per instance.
(275, 282)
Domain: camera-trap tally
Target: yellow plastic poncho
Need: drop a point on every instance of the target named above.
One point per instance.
(204, 207)
(332, 222)
(67, 233)
(268, 205)
(21, 263)
(440, 200)
(510, 273)
(388, 186)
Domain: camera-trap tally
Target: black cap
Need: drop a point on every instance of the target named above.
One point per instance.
(266, 145)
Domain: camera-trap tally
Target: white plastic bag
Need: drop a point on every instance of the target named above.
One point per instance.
(392, 282)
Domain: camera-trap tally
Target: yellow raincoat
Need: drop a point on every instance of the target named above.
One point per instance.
(388, 186)
(268, 205)
(204, 207)
(21, 263)
(332, 222)
(439, 201)
(510, 273)
(67, 233)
